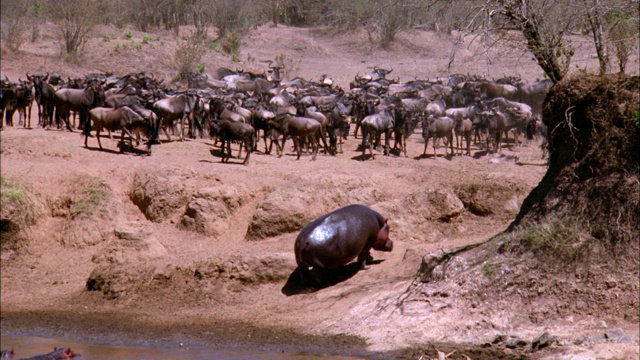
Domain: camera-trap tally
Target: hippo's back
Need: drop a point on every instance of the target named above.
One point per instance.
(336, 238)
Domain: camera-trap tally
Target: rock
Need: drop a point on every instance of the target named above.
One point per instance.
(515, 342)
(209, 209)
(498, 338)
(485, 199)
(613, 334)
(542, 341)
(626, 339)
(159, 196)
(596, 340)
(580, 340)
(287, 209)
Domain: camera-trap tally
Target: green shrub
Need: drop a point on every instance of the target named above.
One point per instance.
(128, 34)
(146, 38)
(94, 195)
(187, 58)
(15, 202)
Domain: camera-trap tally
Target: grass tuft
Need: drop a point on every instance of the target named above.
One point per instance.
(92, 197)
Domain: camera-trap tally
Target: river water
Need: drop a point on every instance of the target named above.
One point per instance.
(25, 347)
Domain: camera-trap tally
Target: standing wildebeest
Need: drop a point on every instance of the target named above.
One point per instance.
(44, 94)
(462, 129)
(298, 128)
(260, 121)
(378, 124)
(79, 100)
(122, 118)
(436, 128)
(227, 131)
(173, 108)
(7, 99)
(23, 100)
(494, 125)
(534, 94)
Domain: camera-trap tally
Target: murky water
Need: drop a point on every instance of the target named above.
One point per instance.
(29, 346)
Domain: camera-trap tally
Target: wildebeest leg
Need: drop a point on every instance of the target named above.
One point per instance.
(315, 146)
(468, 137)
(240, 144)
(450, 137)
(247, 145)
(98, 136)
(296, 143)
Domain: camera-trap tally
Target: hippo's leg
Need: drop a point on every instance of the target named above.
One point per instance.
(309, 276)
(364, 258)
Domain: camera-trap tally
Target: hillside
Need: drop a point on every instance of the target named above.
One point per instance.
(178, 247)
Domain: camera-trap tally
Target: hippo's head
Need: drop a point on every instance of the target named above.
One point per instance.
(383, 243)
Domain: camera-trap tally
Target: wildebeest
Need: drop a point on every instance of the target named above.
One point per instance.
(436, 128)
(79, 100)
(44, 95)
(534, 94)
(173, 108)
(462, 130)
(122, 118)
(298, 128)
(227, 131)
(494, 125)
(381, 123)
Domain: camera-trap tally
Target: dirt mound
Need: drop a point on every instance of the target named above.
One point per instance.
(594, 161)
(572, 252)
(18, 212)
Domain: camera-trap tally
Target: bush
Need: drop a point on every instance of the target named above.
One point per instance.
(187, 56)
(231, 44)
(14, 30)
(146, 38)
(94, 195)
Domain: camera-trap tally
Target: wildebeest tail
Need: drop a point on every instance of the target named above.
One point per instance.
(155, 132)
(252, 142)
(86, 130)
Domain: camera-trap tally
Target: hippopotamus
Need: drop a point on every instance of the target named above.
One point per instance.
(336, 238)
(56, 354)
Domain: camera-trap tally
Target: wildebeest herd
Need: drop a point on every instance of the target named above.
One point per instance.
(241, 106)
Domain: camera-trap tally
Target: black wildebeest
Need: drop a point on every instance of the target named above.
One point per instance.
(227, 131)
(111, 119)
(436, 128)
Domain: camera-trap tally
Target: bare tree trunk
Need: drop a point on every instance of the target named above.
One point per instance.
(519, 12)
(593, 15)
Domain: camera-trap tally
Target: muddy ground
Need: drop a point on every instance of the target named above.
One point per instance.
(178, 247)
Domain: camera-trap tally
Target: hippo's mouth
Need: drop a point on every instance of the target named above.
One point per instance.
(388, 246)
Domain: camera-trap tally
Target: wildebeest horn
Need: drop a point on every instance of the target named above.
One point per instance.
(46, 77)
(5, 76)
(389, 72)
(29, 77)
